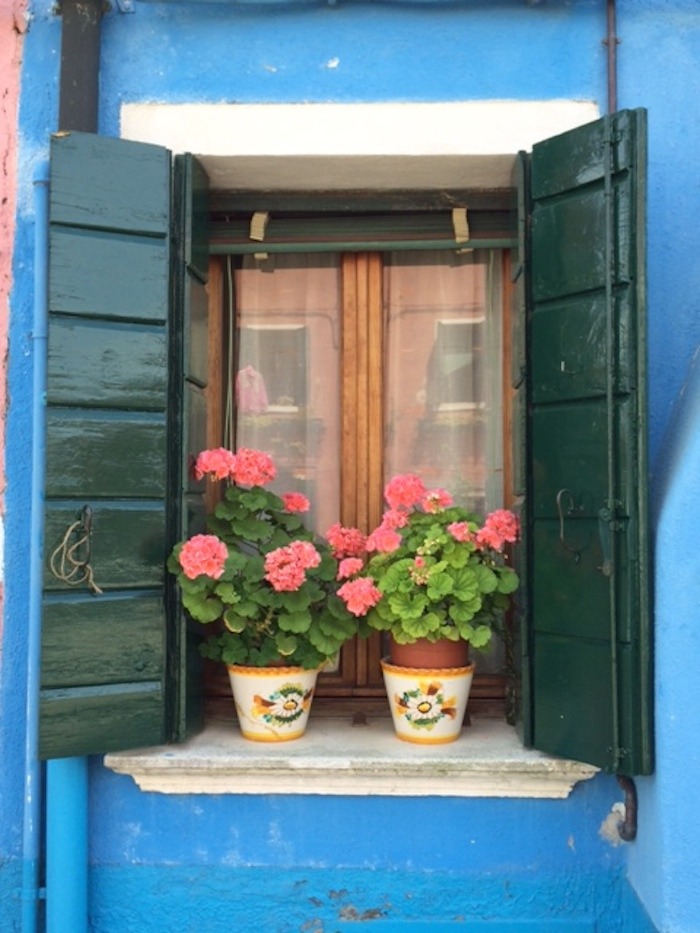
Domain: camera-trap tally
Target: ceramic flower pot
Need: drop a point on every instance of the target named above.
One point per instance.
(427, 704)
(424, 653)
(272, 703)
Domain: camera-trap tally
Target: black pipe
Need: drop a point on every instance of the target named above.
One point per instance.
(612, 42)
(80, 65)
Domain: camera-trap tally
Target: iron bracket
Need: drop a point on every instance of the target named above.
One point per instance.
(126, 6)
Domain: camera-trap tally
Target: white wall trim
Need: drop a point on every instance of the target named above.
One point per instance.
(305, 146)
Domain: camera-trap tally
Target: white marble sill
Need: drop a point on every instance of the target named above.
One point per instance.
(337, 757)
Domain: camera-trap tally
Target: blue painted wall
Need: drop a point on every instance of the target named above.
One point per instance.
(277, 863)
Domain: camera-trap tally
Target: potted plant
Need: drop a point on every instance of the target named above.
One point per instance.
(269, 586)
(437, 582)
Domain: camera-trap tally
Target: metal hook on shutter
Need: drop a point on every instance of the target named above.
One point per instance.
(70, 562)
(571, 509)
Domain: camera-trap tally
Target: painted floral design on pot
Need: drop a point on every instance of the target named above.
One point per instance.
(284, 706)
(428, 704)
(425, 706)
(272, 703)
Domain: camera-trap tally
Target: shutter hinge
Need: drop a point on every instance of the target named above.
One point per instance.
(126, 6)
(607, 523)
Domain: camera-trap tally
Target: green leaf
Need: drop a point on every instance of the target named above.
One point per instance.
(464, 612)
(201, 607)
(466, 584)
(227, 593)
(429, 623)
(406, 606)
(234, 622)
(286, 644)
(487, 579)
(481, 636)
(255, 499)
(297, 600)
(294, 621)
(508, 580)
(439, 586)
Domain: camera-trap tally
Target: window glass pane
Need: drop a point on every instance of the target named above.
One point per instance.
(286, 373)
(444, 372)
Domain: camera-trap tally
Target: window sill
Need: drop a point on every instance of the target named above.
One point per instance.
(335, 757)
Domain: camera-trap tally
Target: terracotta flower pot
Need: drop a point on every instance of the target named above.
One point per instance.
(424, 653)
(272, 703)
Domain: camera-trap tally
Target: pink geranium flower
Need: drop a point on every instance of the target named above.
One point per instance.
(295, 502)
(203, 554)
(359, 595)
(395, 518)
(348, 567)
(345, 542)
(218, 462)
(252, 468)
(500, 527)
(404, 491)
(384, 539)
(437, 500)
(461, 531)
(285, 567)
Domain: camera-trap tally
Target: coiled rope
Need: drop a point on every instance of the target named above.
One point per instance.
(70, 563)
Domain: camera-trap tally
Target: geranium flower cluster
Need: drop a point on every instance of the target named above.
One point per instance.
(259, 574)
(285, 568)
(203, 554)
(429, 569)
(245, 468)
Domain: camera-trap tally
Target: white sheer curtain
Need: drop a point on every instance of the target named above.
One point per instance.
(444, 411)
(285, 375)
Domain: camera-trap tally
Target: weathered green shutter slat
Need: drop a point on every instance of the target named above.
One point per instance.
(91, 288)
(103, 656)
(76, 650)
(113, 359)
(126, 547)
(188, 424)
(587, 538)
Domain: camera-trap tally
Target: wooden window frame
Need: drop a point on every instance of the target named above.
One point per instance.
(358, 680)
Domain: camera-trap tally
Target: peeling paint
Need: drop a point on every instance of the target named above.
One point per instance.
(610, 827)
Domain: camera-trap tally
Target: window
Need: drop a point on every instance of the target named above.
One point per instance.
(134, 302)
(338, 364)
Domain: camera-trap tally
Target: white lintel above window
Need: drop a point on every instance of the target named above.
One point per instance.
(328, 146)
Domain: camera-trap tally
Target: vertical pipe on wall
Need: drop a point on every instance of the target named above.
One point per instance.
(32, 768)
(80, 65)
(612, 42)
(66, 778)
(66, 845)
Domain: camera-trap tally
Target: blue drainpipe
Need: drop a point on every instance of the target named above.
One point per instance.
(66, 778)
(32, 768)
(66, 845)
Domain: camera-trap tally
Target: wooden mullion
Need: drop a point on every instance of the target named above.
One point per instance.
(362, 375)
(375, 453)
(375, 391)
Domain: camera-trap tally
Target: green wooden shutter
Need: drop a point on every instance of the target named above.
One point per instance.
(587, 539)
(108, 659)
(517, 644)
(188, 422)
